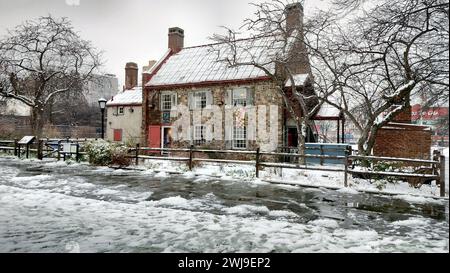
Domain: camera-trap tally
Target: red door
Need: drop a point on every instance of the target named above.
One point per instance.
(154, 136)
(117, 134)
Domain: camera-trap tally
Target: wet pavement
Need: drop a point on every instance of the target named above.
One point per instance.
(55, 207)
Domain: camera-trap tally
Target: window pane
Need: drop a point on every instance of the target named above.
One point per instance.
(200, 100)
(166, 102)
(240, 137)
(240, 97)
(199, 134)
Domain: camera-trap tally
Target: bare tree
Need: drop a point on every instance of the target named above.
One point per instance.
(42, 58)
(378, 57)
(276, 46)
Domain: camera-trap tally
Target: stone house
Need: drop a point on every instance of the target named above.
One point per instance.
(194, 78)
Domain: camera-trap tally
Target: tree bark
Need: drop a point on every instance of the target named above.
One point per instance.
(301, 142)
(37, 121)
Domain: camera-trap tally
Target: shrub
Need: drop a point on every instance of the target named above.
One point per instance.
(104, 153)
(99, 152)
(119, 155)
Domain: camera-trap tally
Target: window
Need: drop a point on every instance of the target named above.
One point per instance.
(168, 100)
(240, 137)
(199, 134)
(118, 111)
(239, 97)
(200, 100)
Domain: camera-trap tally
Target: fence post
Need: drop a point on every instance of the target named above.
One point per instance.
(40, 155)
(190, 157)
(257, 162)
(321, 153)
(28, 150)
(58, 149)
(436, 157)
(77, 154)
(442, 175)
(137, 154)
(15, 147)
(346, 167)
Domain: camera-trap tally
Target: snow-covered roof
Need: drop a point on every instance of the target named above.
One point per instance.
(127, 97)
(206, 63)
(158, 63)
(299, 80)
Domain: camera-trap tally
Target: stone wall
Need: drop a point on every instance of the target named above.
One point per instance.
(264, 94)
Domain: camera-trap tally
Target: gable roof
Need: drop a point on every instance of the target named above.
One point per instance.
(127, 97)
(205, 64)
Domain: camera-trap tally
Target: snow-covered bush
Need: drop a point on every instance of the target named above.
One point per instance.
(104, 153)
(98, 152)
(119, 155)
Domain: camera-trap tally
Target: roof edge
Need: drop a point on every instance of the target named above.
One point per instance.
(208, 83)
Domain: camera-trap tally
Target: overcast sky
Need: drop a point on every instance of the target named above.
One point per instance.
(136, 30)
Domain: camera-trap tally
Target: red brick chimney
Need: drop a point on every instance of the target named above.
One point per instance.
(294, 17)
(131, 75)
(176, 39)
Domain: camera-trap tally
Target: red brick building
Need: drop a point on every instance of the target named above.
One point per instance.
(402, 138)
(436, 118)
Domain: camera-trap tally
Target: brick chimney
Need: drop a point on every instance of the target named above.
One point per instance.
(294, 17)
(131, 75)
(176, 39)
(299, 61)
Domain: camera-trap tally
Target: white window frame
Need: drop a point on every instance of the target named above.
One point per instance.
(173, 100)
(239, 140)
(199, 97)
(199, 140)
(121, 110)
(239, 102)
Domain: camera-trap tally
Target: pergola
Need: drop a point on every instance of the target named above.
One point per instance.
(330, 113)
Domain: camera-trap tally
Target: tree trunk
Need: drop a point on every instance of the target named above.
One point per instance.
(301, 142)
(37, 121)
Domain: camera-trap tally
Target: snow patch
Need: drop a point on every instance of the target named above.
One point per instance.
(247, 210)
(411, 222)
(327, 223)
(416, 199)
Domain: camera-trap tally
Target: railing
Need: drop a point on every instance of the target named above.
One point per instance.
(43, 148)
(437, 165)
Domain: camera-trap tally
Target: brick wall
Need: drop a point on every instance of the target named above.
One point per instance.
(403, 141)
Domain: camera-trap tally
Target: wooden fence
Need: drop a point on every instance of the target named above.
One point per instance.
(436, 165)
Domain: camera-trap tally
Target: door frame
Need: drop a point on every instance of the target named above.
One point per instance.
(162, 136)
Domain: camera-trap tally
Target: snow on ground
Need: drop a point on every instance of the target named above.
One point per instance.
(97, 211)
(246, 173)
(29, 216)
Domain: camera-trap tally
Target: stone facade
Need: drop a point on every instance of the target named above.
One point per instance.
(264, 94)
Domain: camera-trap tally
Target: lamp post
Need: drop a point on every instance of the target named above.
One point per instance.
(102, 104)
